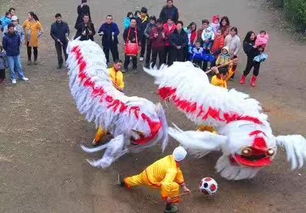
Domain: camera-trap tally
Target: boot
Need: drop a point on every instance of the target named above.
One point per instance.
(171, 208)
(242, 80)
(253, 81)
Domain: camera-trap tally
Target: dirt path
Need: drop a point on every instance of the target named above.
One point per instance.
(44, 170)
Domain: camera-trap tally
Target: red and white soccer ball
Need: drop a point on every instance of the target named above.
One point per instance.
(208, 186)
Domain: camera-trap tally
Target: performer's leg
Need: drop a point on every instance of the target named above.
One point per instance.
(170, 192)
(136, 180)
(101, 133)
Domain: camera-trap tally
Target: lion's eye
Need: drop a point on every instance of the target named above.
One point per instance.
(246, 151)
(270, 152)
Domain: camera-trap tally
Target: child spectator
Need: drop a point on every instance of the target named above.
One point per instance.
(223, 59)
(197, 53)
(127, 20)
(218, 43)
(179, 42)
(5, 20)
(225, 26)
(142, 22)
(18, 28)
(147, 32)
(192, 33)
(131, 35)
(3, 64)
(262, 39)
(169, 28)
(215, 25)
(207, 36)
(157, 39)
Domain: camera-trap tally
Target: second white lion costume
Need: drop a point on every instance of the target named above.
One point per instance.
(244, 134)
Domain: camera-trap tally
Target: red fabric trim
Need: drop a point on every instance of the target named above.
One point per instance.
(114, 104)
(169, 94)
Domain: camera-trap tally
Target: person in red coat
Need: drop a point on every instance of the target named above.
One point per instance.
(169, 28)
(157, 39)
(218, 43)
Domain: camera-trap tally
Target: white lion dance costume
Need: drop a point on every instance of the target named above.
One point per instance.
(244, 133)
(135, 123)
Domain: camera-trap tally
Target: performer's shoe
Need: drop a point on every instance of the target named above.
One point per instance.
(172, 209)
(253, 81)
(121, 182)
(242, 80)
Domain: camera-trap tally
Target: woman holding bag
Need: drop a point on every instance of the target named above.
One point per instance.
(131, 40)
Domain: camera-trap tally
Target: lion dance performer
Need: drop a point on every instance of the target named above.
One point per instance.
(135, 122)
(244, 133)
(164, 174)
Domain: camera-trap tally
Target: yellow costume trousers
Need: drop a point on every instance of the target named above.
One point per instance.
(167, 189)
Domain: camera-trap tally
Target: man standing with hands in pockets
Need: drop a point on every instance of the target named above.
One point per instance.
(60, 32)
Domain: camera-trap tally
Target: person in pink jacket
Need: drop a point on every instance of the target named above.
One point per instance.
(262, 39)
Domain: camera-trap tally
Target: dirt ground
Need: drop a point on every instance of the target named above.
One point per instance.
(44, 170)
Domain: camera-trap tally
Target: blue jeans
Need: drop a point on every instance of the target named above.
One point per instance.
(15, 67)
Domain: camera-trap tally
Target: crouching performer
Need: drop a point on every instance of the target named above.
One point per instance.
(165, 175)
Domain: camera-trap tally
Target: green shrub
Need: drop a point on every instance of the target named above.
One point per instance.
(296, 12)
(278, 3)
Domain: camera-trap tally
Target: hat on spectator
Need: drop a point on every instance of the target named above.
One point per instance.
(14, 18)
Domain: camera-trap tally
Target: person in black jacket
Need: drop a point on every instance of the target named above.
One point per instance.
(85, 30)
(251, 51)
(142, 23)
(83, 9)
(179, 42)
(109, 32)
(131, 34)
(60, 32)
(169, 12)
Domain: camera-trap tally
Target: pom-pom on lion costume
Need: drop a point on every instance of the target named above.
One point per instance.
(244, 133)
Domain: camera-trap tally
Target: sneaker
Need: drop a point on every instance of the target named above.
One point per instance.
(141, 59)
(59, 67)
(29, 63)
(35, 63)
(14, 81)
(173, 209)
(24, 78)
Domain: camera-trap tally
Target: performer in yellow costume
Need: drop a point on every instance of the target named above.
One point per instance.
(116, 76)
(165, 175)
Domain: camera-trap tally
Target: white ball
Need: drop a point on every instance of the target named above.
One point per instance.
(208, 186)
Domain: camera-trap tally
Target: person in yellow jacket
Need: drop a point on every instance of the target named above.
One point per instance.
(165, 175)
(116, 76)
(221, 77)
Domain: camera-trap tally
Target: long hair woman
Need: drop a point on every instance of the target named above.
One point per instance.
(251, 51)
(33, 30)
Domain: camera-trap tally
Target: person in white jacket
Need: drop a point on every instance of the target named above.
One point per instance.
(232, 41)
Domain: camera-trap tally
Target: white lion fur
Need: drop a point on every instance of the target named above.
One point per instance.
(115, 122)
(192, 85)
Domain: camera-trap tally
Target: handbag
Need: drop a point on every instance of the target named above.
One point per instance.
(132, 49)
